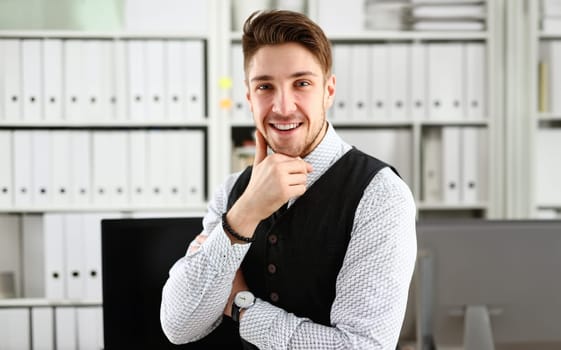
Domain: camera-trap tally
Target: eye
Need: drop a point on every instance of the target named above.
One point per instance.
(263, 87)
(303, 83)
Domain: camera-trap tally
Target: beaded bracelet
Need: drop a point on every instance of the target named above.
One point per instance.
(233, 233)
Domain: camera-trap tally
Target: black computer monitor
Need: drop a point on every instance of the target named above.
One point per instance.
(489, 283)
(136, 257)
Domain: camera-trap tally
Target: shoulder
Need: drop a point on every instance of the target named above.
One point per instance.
(386, 216)
(387, 183)
(387, 193)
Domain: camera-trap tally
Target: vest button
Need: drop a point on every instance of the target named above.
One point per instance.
(272, 268)
(274, 297)
(273, 239)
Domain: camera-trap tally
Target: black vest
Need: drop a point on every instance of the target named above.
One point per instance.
(297, 253)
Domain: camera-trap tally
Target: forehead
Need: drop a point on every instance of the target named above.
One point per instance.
(283, 59)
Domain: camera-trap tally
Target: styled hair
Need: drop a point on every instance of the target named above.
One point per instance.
(274, 27)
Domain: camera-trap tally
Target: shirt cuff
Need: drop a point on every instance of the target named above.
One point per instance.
(222, 254)
(257, 323)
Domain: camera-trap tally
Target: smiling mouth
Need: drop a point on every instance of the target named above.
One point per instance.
(285, 127)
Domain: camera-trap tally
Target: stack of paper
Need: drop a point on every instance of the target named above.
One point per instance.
(386, 14)
(551, 16)
(447, 15)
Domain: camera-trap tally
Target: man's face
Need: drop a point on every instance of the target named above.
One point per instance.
(289, 97)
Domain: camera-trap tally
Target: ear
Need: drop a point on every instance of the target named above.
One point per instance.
(247, 97)
(329, 91)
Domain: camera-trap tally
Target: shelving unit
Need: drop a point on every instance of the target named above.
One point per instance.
(52, 247)
(541, 69)
(489, 202)
(512, 123)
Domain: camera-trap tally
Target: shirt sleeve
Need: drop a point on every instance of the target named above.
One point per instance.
(199, 283)
(372, 285)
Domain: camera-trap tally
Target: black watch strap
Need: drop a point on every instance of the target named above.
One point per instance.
(235, 313)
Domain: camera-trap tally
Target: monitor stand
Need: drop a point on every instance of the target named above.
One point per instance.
(477, 329)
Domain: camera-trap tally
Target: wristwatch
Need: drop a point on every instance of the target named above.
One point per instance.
(243, 300)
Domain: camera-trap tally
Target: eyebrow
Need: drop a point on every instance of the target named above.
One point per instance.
(265, 77)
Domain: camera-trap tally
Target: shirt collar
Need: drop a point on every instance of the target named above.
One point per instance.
(329, 150)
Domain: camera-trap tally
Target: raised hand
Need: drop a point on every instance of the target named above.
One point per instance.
(275, 179)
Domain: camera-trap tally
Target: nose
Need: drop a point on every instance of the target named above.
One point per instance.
(284, 102)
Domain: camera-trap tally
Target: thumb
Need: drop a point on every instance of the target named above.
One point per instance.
(260, 148)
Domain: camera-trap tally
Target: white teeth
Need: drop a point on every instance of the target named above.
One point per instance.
(286, 126)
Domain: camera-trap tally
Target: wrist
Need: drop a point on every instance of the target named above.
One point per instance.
(233, 234)
(240, 222)
(243, 300)
(242, 311)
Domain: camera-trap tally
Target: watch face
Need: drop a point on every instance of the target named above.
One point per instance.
(244, 299)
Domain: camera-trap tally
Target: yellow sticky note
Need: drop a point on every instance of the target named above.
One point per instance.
(225, 83)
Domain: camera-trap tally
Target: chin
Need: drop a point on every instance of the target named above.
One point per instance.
(287, 152)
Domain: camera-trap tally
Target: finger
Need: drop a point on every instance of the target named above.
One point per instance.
(296, 190)
(297, 179)
(306, 167)
(260, 148)
(309, 168)
(298, 166)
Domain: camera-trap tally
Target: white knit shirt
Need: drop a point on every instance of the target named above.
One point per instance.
(372, 285)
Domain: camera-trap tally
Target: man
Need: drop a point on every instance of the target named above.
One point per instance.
(317, 236)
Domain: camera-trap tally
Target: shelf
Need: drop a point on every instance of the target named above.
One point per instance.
(102, 124)
(451, 207)
(398, 36)
(372, 123)
(553, 36)
(549, 116)
(344, 123)
(242, 124)
(548, 120)
(387, 123)
(455, 122)
(186, 209)
(555, 206)
(75, 34)
(41, 302)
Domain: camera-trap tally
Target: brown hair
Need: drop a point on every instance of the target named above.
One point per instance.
(274, 27)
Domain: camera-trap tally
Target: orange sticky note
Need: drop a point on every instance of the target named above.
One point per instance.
(226, 103)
